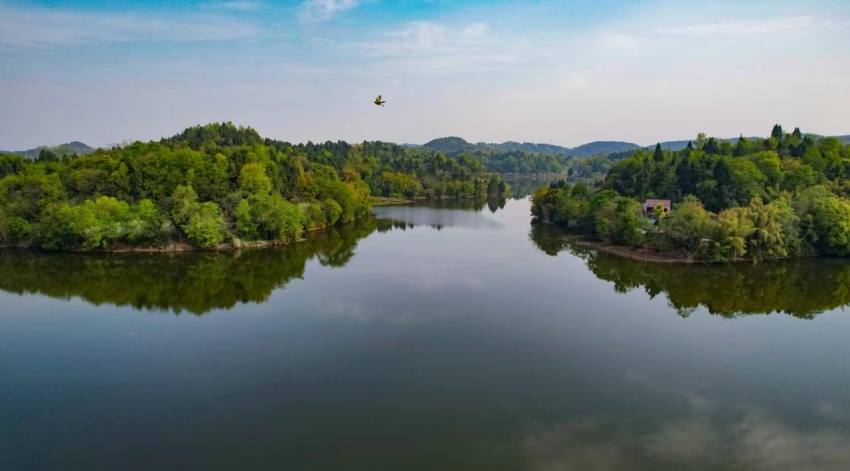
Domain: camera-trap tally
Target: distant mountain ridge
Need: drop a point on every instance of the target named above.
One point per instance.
(75, 147)
(457, 145)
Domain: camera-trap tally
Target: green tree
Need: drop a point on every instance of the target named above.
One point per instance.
(687, 225)
(658, 155)
(205, 227)
(253, 181)
(731, 232)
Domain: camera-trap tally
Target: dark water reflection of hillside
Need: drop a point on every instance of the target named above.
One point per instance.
(801, 287)
(196, 282)
(199, 282)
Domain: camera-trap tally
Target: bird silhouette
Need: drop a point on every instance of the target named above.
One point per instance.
(378, 101)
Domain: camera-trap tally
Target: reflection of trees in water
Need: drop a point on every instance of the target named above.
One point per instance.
(524, 187)
(386, 225)
(196, 282)
(800, 287)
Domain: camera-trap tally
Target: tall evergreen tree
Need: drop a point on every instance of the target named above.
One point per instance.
(777, 132)
(742, 147)
(658, 156)
(712, 147)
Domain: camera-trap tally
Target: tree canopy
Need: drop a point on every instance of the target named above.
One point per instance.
(216, 184)
(782, 196)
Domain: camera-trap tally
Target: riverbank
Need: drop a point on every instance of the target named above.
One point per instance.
(644, 254)
(233, 244)
(387, 201)
(176, 247)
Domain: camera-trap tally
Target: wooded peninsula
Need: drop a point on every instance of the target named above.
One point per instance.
(783, 196)
(217, 186)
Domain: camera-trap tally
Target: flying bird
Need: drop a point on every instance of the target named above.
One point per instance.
(378, 101)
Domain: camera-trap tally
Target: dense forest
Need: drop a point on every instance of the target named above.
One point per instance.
(216, 184)
(786, 195)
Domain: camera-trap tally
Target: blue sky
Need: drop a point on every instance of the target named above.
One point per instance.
(561, 72)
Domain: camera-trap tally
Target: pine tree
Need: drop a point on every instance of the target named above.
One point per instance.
(742, 147)
(658, 156)
(777, 132)
(712, 147)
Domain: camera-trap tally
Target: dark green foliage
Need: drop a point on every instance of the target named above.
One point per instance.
(760, 198)
(658, 155)
(218, 183)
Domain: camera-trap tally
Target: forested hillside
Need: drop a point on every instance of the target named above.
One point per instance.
(216, 184)
(781, 196)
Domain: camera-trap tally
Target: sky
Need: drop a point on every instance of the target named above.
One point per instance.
(557, 72)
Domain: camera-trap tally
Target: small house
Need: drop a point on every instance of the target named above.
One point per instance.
(649, 206)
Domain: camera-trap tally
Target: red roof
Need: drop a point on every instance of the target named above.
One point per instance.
(651, 204)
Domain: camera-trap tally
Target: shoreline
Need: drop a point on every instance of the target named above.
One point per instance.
(182, 247)
(654, 257)
(175, 247)
(638, 255)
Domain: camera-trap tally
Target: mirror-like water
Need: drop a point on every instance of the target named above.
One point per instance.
(428, 337)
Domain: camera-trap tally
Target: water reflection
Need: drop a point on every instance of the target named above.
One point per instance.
(803, 288)
(522, 188)
(199, 282)
(711, 434)
(439, 216)
(195, 282)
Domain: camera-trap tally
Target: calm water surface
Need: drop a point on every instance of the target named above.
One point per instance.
(430, 337)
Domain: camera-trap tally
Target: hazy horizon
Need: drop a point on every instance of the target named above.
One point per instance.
(562, 73)
(111, 143)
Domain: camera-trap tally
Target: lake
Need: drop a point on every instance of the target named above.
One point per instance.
(430, 337)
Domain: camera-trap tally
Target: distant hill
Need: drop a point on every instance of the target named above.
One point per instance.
(512, 146)
(602, 147)
(450, 145)
(457, 145)
(75, 147)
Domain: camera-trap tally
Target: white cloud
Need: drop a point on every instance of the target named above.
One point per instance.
(427, 38)
(424, 47)
(321, 10)
(705, 438)
(739, 28)
(51, 28)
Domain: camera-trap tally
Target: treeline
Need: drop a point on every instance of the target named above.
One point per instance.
(212, 185)
(783, 196)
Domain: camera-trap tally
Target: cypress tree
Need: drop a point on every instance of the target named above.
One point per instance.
(712, 147)
(742, 147)
(658, 156)
(777, 132)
